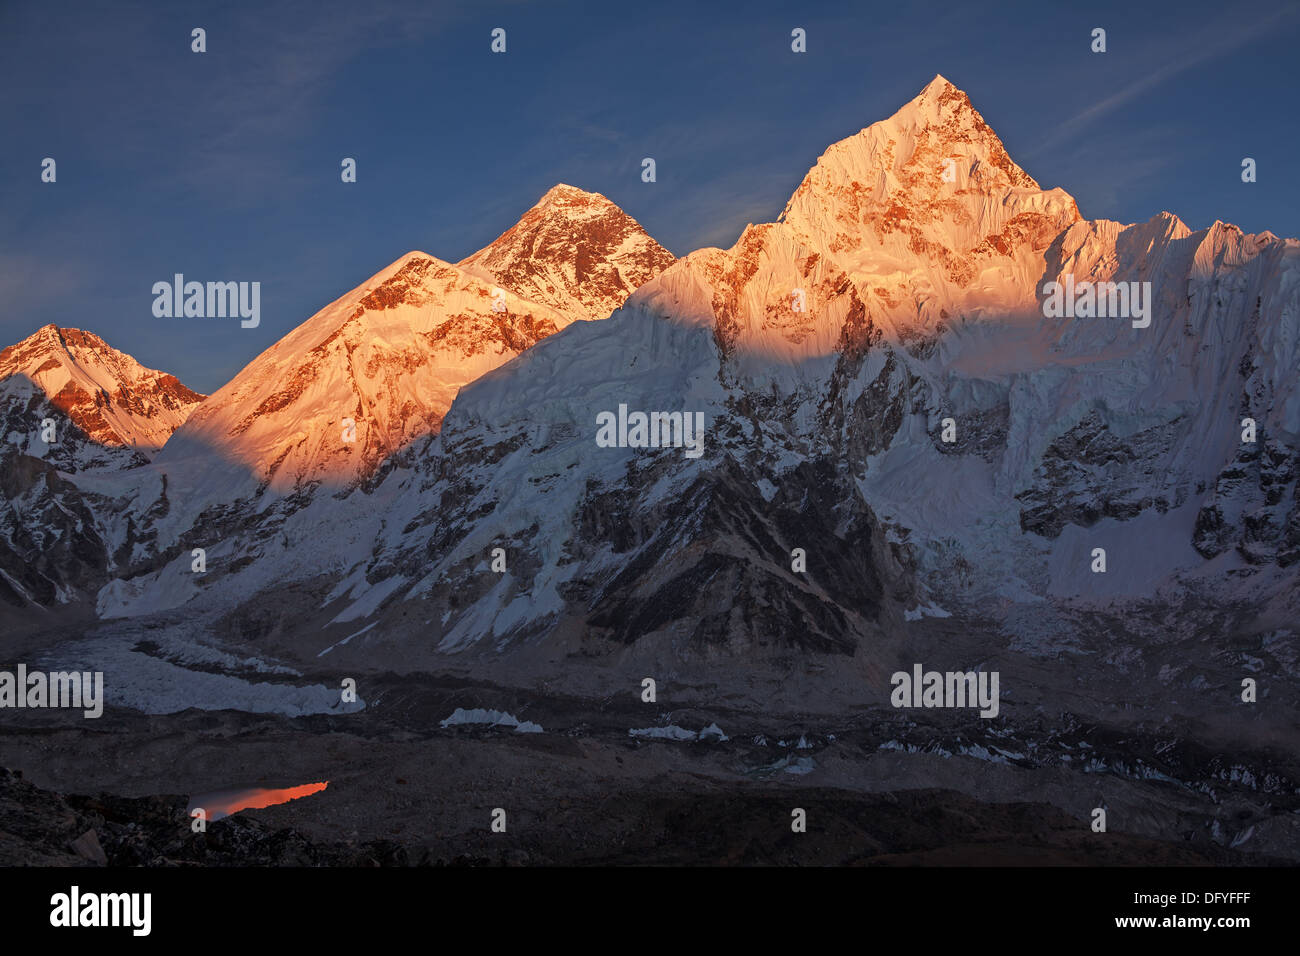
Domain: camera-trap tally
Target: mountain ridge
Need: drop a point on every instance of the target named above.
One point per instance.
(889, 345)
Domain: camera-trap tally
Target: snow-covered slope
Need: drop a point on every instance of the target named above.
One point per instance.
(574, 251)
(104, 413)
(905, 460)
(378, 367)
(349, 392)
(829, 353)
(108, 409)
(921, 302)
(363, 377)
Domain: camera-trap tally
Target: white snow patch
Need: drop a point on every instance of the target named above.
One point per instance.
(154, 686)
(673, 732)
(928, 610)
(492, 718)
(346, 639)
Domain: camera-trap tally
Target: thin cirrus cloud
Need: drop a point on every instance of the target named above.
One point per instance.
(1210, 43)
(289, 56)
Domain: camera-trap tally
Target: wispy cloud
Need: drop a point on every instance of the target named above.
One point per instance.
(291, 54)
(1212, 42)
(267, 78)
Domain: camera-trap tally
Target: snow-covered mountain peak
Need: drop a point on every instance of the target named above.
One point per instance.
(927, 215)
(574, 203)
(914, 224)
(937, 87)
(932, 183)
(110, 399)
(947, 111)
(573, 250)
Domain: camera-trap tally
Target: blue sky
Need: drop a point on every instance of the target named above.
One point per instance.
(225, 165)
